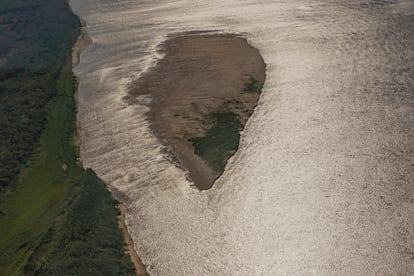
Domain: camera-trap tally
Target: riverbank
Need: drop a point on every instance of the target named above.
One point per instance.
(83, 42)
(37, 127)
(129, 247)
(203, 90)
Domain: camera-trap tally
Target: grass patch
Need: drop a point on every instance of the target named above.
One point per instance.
(34, 45)
(87, 239)
(220, 141)
(89, 242)
(55, 218)
(44, 186)
(253, 86)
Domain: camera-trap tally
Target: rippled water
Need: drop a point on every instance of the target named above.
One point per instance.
(323, 181)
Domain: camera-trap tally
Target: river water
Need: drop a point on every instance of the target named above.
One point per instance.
(323, 182)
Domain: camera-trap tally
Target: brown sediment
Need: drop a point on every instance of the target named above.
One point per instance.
(82, 43)
(129, 245)
(200, 74)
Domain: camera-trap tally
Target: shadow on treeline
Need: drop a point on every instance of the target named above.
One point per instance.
(35, 34)
(35, 38)
(88, 242)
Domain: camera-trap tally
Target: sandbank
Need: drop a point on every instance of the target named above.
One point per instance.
(199, 75)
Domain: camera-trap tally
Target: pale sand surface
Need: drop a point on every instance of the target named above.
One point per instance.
(198, 75)
(83, 42)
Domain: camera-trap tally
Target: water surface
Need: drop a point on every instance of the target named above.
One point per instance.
(323, 181)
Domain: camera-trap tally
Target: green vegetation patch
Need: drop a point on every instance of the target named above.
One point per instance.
(253, 86)
(89, 242)
(220, 141)
(52, 187)
(45, 196)
(44, 185)
(35, 34)
(35, 39)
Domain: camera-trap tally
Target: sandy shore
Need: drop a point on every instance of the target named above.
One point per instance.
(129, 245)
(83, 42)
(200, 74)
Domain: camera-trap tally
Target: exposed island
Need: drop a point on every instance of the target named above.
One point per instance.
(203, 90)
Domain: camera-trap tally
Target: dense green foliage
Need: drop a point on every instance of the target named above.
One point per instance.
(54, 205)
(89, 242)
(34, 43)
(50, 183)
(44, 185)
(34, 35)
(220, 141)
(23, 99)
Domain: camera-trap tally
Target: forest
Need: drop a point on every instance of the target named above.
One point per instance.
(55, 217)
(34, 43)
(87, 243)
